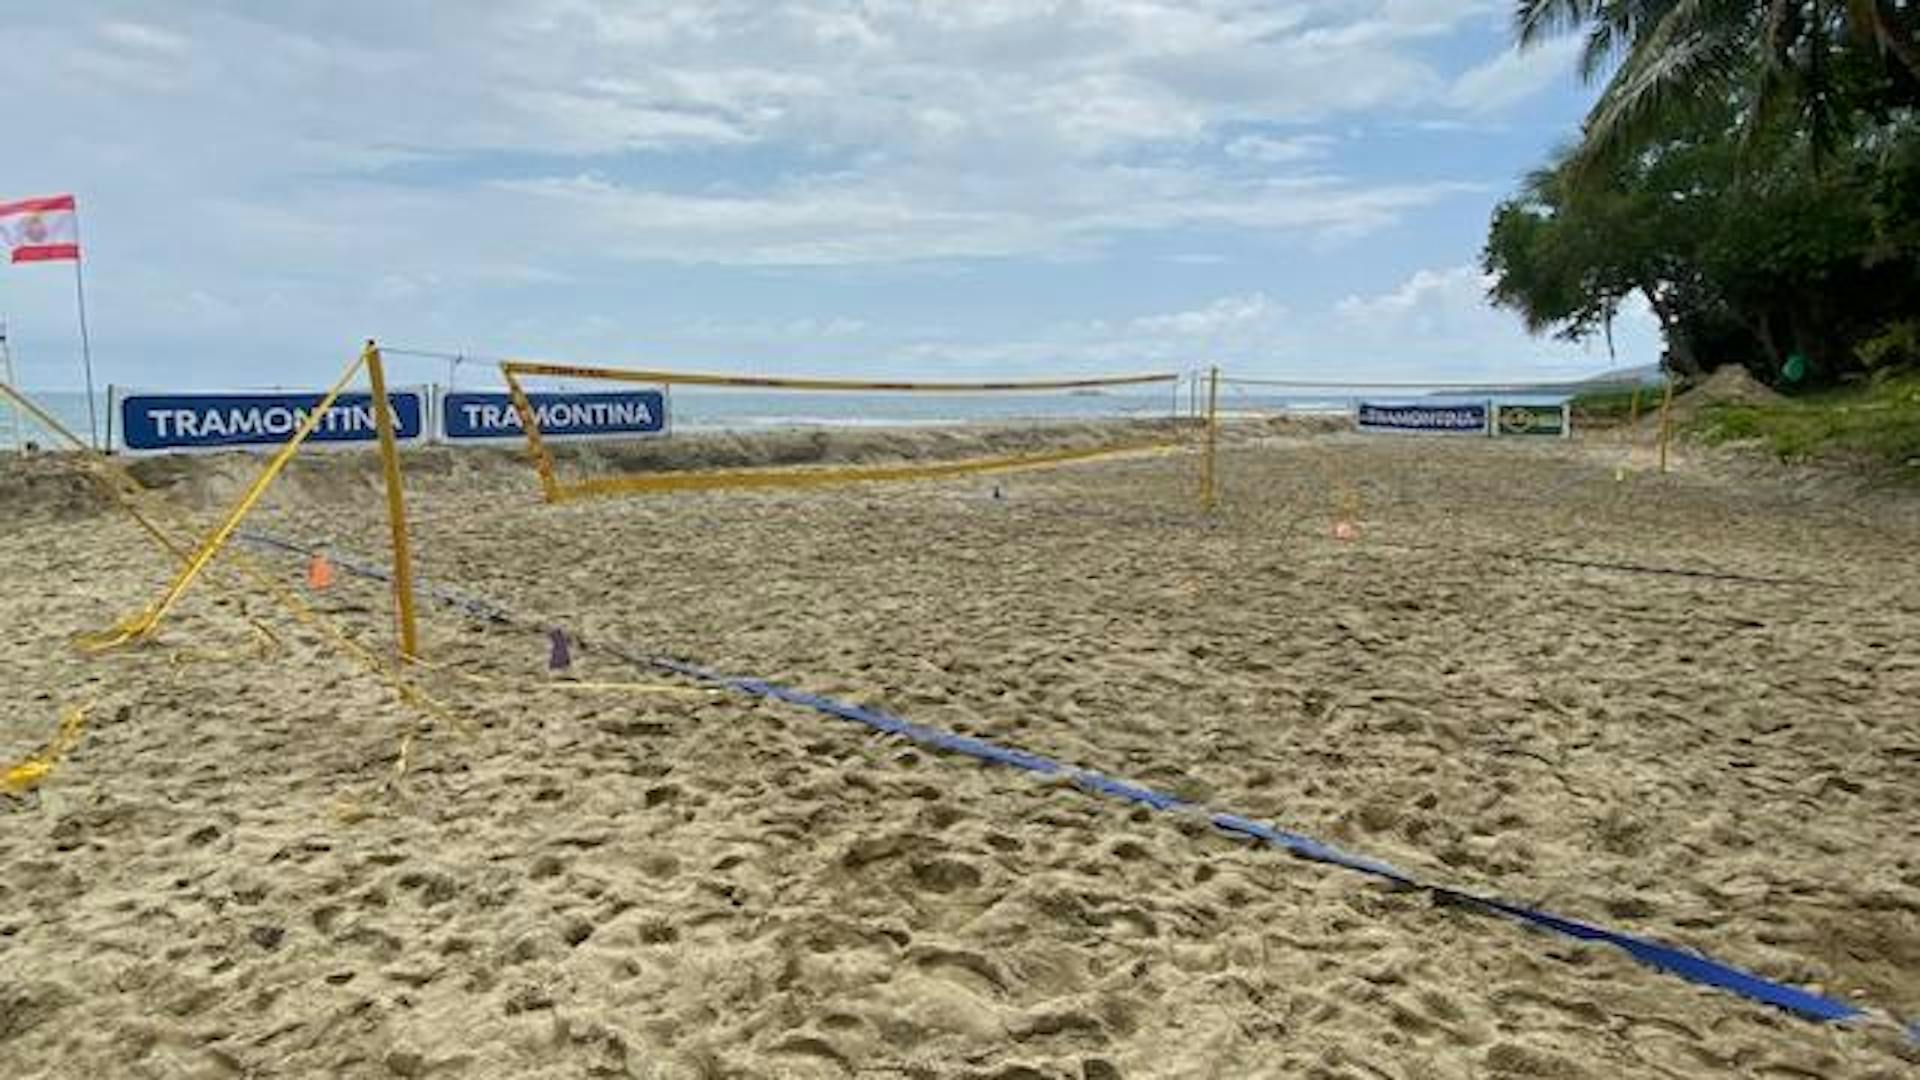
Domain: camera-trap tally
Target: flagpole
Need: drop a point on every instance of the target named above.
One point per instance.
(86, 346)
(6, 372)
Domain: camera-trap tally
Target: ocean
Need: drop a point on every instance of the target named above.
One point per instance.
(698, 409)
(68, 407)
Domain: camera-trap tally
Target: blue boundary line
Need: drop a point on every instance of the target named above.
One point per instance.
(1687, 965)
(1693, 967)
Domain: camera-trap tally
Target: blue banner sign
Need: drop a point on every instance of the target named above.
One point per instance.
(490, 415)
(1450, 418)
(174, 423)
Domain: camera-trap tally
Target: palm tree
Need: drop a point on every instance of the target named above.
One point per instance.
(1670, 54)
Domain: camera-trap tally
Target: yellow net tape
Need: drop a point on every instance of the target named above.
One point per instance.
(143, 623)
(688, 378)
(710, 480)
(36, 768)
(714, 479)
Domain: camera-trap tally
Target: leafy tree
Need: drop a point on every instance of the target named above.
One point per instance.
(1782, 56)
(1745, 251)
(1752, 168)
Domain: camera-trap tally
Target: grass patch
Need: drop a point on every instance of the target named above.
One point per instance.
(1879, 424)
(1613, 406)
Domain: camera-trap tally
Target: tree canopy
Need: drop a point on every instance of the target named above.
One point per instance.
(1752, 169)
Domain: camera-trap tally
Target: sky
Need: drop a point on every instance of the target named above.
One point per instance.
(925, 188)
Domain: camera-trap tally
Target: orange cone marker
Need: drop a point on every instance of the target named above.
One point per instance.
(319, 573)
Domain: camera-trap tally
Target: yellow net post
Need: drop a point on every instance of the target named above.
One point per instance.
(1666, 423)
(1209, 464)
(396, 505)
(1634, 420)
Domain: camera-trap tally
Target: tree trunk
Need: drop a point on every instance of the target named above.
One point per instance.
(1762, 327)
(1873, 21)
(1680, 358)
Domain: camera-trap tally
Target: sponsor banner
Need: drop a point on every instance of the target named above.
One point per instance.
(1548, 420)
(1431, 417)
(166, 423)
(489, 416)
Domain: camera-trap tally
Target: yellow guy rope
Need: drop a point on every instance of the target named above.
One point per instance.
(128, 489)
(138, 626)
(37, 767)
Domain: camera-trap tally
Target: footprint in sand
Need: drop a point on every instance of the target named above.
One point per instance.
(945, 875)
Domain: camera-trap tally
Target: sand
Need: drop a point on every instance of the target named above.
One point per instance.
(219, 881)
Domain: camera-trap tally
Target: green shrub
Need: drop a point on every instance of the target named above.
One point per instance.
(1879, 423)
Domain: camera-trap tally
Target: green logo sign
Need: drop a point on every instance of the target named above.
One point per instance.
(1530, 420)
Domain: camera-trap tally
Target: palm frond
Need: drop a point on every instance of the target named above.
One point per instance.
(1653, 83)
(1535, 21)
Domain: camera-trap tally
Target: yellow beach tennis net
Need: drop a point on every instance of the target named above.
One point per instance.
(882, 430)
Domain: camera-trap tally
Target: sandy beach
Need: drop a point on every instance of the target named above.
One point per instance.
(225, 879)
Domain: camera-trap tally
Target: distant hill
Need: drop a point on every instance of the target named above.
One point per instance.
(1640, 375)
(1621, 378)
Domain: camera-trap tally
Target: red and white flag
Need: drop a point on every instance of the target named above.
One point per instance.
(40, 230)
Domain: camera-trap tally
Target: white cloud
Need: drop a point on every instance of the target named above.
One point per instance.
(1435, 326)
(1513, 75)
(1242, 328)
(299, 170)
(911, 214)
(904, 129)
(1426, 295)
(144, 38)
(1224, 318)
(1442, 317)
(1268, 150)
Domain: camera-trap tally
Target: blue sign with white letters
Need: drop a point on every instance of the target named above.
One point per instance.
(1427, 417)
(171, 423)
(490, 415)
